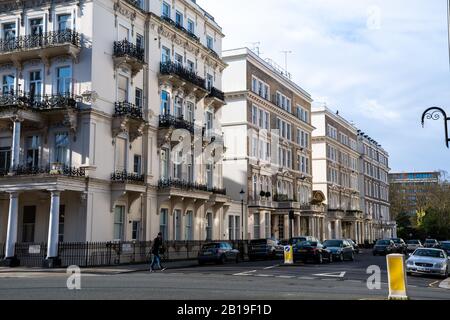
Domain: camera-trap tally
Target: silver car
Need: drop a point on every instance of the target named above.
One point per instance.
(428, 261)
(412, 245)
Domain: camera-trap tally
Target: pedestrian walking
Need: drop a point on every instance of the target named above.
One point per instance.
(155, 251)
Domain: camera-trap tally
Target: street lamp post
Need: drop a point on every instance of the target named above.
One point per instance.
(435, 113)
(241, 194)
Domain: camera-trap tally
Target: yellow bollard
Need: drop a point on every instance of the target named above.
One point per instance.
(396, 277)
(288, 255)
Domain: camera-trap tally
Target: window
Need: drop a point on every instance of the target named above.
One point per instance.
(191, 66)
(260, 88)
(177, 225)
(119, 216)
(266, 121)
(256, 226)
(5, 154)
(179, 18)
(209, 81)
(284, 129)
(179, 59)
(137, 160)
(36, 27)
(255, 115)
(64, 22)
(62, 216)
(35, 88)
(120, 154)
(188, 234)
(261, 118)
(178, 165)
(209, 175)
(191, 26)
(8, 84)
(62, 148)
(283, 102)
(165, 103)
(164, 163)
(281, 228)
(166, 10)
(231, 228)
(190, 112)
(209, 226)
(122, 88)
(209, 120)
(138, 98)
(135, 228)
(178, 107)
(139, 41)
(9, 31)
(165, 55)
(33, 146)
(210, 42)
(29, 221)
(163, 217)
(302, 114)
(64, 80)
(331, 132)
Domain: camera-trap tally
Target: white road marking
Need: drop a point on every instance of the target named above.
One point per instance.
(246, 273)
(271, 267)
(306, 278)
(445, 284)
(356, 281)
(264, 275)
(332, 274)
(286, 277)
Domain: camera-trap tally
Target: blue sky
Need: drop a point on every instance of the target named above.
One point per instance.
(380, 63)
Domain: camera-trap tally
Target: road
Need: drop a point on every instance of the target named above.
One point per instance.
(248, 280)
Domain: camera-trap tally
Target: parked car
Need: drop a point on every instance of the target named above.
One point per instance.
(445, 245)
(312, 250)
(218, 252)
(400, 245)
(296, 240)
(431, 243)
(384, 247)
(264, 249)
(428, 261)
(354, 245)
(412, 245)
(340, 249)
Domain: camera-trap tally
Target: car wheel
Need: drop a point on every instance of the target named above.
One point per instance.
(352, 257)
(330, 258)
(222, 259)
(341, 257)
(320, 259)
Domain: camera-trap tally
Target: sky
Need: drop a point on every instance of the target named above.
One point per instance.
(381, 63)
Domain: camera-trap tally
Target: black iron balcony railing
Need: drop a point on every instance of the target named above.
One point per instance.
(180, 27)
(128, 109)
(282, 198)
(47, 39)
(54, 169)
(181, 184)
(38, 102)
(170, 121)
(126, 48)
(124, 176)
(170, 68)
(216, 93)
(218, 191)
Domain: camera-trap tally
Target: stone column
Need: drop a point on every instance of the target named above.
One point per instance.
(53, 230)
(11, 235)
(15, 148)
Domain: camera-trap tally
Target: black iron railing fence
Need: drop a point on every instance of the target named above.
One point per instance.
(180, 27)
(216, 93)
(94, 254)
(128, 109)
(188, 186)
(124, 176)
(38, 102)
(27, 170)
(170, 121)
(126, 48)
(46, 39)
(171, 68)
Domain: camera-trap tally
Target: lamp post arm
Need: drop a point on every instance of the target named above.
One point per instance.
(434, 113)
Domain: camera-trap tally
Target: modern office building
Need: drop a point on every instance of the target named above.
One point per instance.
(95, 98)
(267, 129)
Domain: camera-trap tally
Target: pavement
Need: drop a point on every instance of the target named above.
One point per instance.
(257, 280)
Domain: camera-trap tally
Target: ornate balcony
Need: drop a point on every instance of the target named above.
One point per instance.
(181, 28)
(45, 46)
(168, 121)
(181, 184)
(181, 77)
(128, 54)
(53, 169)
(126, 177)
(215, 98)
(128, 118)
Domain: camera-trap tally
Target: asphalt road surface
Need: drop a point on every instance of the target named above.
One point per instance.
(247, 280)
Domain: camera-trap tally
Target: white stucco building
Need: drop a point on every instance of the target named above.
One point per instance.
(96, 96)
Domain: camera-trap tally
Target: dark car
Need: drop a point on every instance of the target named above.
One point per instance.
(218, 252)
(312, 250)
(400, 245)
(264, 249)
(354, 245)
(445, 245)
(340, 249)
(296, 240)
(384, 247)
(431, 243)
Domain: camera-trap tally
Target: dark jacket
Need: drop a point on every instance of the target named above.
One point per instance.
(157, 244)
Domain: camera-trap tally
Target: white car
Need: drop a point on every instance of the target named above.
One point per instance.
(428, 261)
(412, 245)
